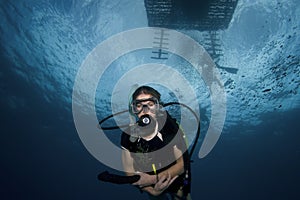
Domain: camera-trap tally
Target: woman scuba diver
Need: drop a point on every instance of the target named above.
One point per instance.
(155, 149)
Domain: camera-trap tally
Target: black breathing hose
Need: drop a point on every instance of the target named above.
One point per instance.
(118, 179)
(113, 178)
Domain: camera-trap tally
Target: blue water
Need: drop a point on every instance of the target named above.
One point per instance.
(43, 44)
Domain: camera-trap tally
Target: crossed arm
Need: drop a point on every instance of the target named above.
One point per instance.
(165, 178)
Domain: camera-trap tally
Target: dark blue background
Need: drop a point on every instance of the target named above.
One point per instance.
(42, 156)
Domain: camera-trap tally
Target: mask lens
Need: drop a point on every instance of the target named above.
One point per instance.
(139, 105)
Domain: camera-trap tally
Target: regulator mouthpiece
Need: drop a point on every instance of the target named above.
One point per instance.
(144, 120)
(145, 126)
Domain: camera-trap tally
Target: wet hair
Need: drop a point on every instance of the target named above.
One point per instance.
(146, 90)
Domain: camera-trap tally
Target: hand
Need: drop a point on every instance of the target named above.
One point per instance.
(145, 179)
(163, 183)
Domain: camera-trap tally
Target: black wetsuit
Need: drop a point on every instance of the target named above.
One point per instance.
(143, 160)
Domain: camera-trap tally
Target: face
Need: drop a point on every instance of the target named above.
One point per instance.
(145, 107)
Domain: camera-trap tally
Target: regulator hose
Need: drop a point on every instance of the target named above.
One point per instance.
(119, 179)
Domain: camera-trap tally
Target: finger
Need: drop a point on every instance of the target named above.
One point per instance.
(164, 185)
(160, 184)
(164, 182)
(161, 187)
(162, 179)
(167, 178)
(173, 179)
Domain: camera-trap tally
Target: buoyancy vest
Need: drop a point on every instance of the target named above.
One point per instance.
(159, 152)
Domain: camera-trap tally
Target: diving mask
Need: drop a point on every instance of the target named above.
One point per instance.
(149, 104)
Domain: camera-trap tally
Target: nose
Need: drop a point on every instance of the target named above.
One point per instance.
(145, 109)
